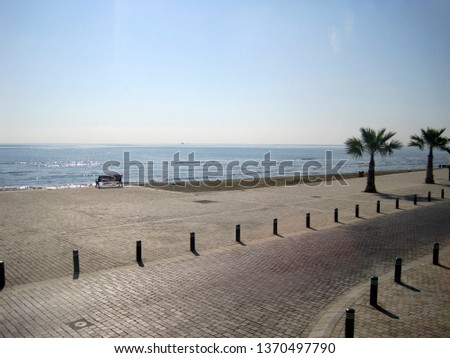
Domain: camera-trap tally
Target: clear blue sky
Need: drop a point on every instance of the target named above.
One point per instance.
(262, 72)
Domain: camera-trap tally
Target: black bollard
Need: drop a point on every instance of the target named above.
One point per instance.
(308, 220)
(238, 233)
(436, 254)
(336, 215)
(349, 323)
(373, 290)
(357, 211)
(275, 226)
(429, 196)
(139, 251)
(193, 241)
(2, 275)
(415, 199)
(398, 270)
(442, 194)
(76, 262)
(397, 203)
(378, 206)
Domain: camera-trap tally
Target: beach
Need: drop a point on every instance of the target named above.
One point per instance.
(41, 228)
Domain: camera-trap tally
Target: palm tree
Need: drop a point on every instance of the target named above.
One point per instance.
(372, 142)
(431, 138)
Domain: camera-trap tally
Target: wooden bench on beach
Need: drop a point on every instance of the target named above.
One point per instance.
(109, 181)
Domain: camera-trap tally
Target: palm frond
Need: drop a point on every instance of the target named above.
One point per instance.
(380, 135)
(431, 138)
(369, 138)
(388, 147)
(373, 142)
(355, 147)
(386, 136)
(417, 141)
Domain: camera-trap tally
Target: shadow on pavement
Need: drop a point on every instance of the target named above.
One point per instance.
(409, 287)
(386, 312)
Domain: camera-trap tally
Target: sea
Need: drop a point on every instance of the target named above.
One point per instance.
(69, 166)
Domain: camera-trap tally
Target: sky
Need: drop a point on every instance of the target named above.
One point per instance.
(221, 72)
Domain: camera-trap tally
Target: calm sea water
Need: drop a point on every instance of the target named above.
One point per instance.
(55, 166)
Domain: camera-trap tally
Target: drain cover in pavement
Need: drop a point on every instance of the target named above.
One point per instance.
(81, 323)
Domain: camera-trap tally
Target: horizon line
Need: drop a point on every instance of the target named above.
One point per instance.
(168, 144)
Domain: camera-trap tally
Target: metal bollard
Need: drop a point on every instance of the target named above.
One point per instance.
(373, 290)
(397, 203)
(349, 323)
(238, 233)
(193, 241)
(76, 262)
(415, 199)
(357, 211)
(429, 196)
(275, 226)
(139, 251)
(378, 206)
(398, 270)
(336, 215)
(308, 220)
(442, 194)
(436, 254)
(2, 275)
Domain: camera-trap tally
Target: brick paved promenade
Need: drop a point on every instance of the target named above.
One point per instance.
(297, 284)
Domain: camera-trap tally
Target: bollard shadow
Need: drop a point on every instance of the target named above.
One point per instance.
(409, 287)
(76, 275)
(140, 263)
(407, 197)
(443, 266)
(391, 196)
(241, 243)
(195, 252)
(311, 228)
(385, 311)
(339, 222)
(279, 235)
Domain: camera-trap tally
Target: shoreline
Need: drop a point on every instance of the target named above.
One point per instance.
(228, 184)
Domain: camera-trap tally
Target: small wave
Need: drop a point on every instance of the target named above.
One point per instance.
(50, 187)
(70, 186)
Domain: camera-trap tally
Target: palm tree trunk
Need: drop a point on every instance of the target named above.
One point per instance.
(370, 187)
(430, 178)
